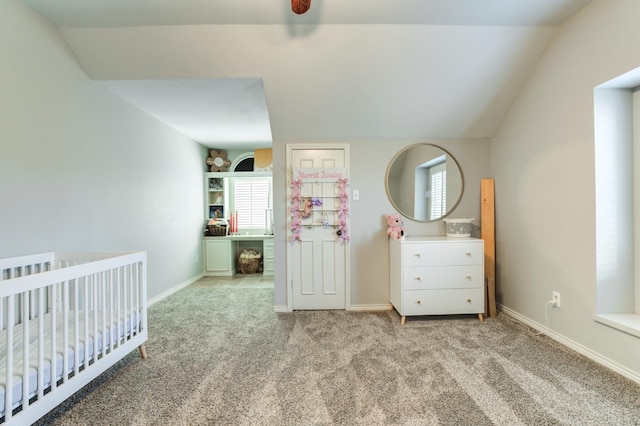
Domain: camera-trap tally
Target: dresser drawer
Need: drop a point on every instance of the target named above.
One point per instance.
(462, 253)
(439, 277)
(443, 302)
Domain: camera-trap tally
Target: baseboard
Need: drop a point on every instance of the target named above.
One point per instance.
(583, 350)
(371, 308)
(169, 292)
(361, 308)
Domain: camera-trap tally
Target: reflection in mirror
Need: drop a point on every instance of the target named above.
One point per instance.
(424, 182)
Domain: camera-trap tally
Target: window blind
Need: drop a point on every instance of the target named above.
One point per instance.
(438, 191)
(250, 201)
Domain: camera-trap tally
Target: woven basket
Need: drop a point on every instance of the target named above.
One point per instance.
(248, 265)
(217, 230)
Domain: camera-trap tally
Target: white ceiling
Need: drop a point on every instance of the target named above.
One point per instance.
(208, 111)
(235, 74)
(118, 13)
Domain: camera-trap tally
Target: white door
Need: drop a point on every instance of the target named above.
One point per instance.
(318, 259)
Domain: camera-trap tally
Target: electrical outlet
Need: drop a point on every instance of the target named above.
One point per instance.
(555, 299)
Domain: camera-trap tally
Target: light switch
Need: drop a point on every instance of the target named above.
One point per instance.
(356, 194)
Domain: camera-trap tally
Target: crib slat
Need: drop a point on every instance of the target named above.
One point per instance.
(65, 331)
(8, 394)
(89, 282)
(55, 297)
(125, 297)
(76, 332)
(94, 305)
(112, 299)
(127, 314)
(143, 295)
(103, 308)
(132, 299)
(41, 313)
(118, 301)
(26, 315)
(136, 308)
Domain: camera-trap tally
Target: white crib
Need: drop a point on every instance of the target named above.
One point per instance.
(65, 318)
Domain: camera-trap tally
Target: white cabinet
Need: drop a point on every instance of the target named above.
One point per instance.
(221, 253)
(267, 257)
(219, 256)
(437, 276)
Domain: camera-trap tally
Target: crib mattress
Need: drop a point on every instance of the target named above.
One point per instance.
(113, 333)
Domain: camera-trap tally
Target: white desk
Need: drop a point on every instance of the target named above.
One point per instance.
(220, 253)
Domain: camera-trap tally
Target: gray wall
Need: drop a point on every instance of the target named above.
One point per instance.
(369, 243)
(82, 170)
(544, 165)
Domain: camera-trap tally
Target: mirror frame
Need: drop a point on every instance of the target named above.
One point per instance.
(405, 214)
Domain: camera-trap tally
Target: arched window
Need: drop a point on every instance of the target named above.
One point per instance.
(243, 163)
(251, 196)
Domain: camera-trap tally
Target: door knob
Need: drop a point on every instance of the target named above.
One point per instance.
(338, 232)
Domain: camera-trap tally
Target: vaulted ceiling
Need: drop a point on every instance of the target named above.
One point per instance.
(238, 74)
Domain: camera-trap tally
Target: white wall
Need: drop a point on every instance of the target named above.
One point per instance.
(369, 243)
(81, 169)
(544, 164)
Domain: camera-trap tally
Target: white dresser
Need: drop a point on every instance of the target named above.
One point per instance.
(437, 276)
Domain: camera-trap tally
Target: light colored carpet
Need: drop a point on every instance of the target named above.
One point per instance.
(219, 355)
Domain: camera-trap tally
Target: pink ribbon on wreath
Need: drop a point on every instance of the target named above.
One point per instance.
(296, 201)
(343, 210)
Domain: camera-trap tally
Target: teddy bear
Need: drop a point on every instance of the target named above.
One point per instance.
(307, 206)
(395, 229)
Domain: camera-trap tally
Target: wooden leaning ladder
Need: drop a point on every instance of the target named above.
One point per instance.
(488, 234)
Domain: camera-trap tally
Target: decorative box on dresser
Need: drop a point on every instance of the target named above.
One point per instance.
(437, 276)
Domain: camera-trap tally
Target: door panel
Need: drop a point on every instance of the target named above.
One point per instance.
(318, 264)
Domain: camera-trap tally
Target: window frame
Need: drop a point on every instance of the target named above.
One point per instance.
(258, 219)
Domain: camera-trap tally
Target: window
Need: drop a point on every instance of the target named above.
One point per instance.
(430, 198)
(437, 188)
(251, 200)
(617, 153)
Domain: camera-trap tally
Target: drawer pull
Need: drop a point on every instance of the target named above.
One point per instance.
(469, 277)
(468, 253)
(418, 302)
(418, 278)
(417, 254)
(468, 300)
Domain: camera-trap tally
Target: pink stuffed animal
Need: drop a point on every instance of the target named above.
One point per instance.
(394, 227)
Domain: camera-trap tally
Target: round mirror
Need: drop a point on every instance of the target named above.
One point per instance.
(424, 182)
